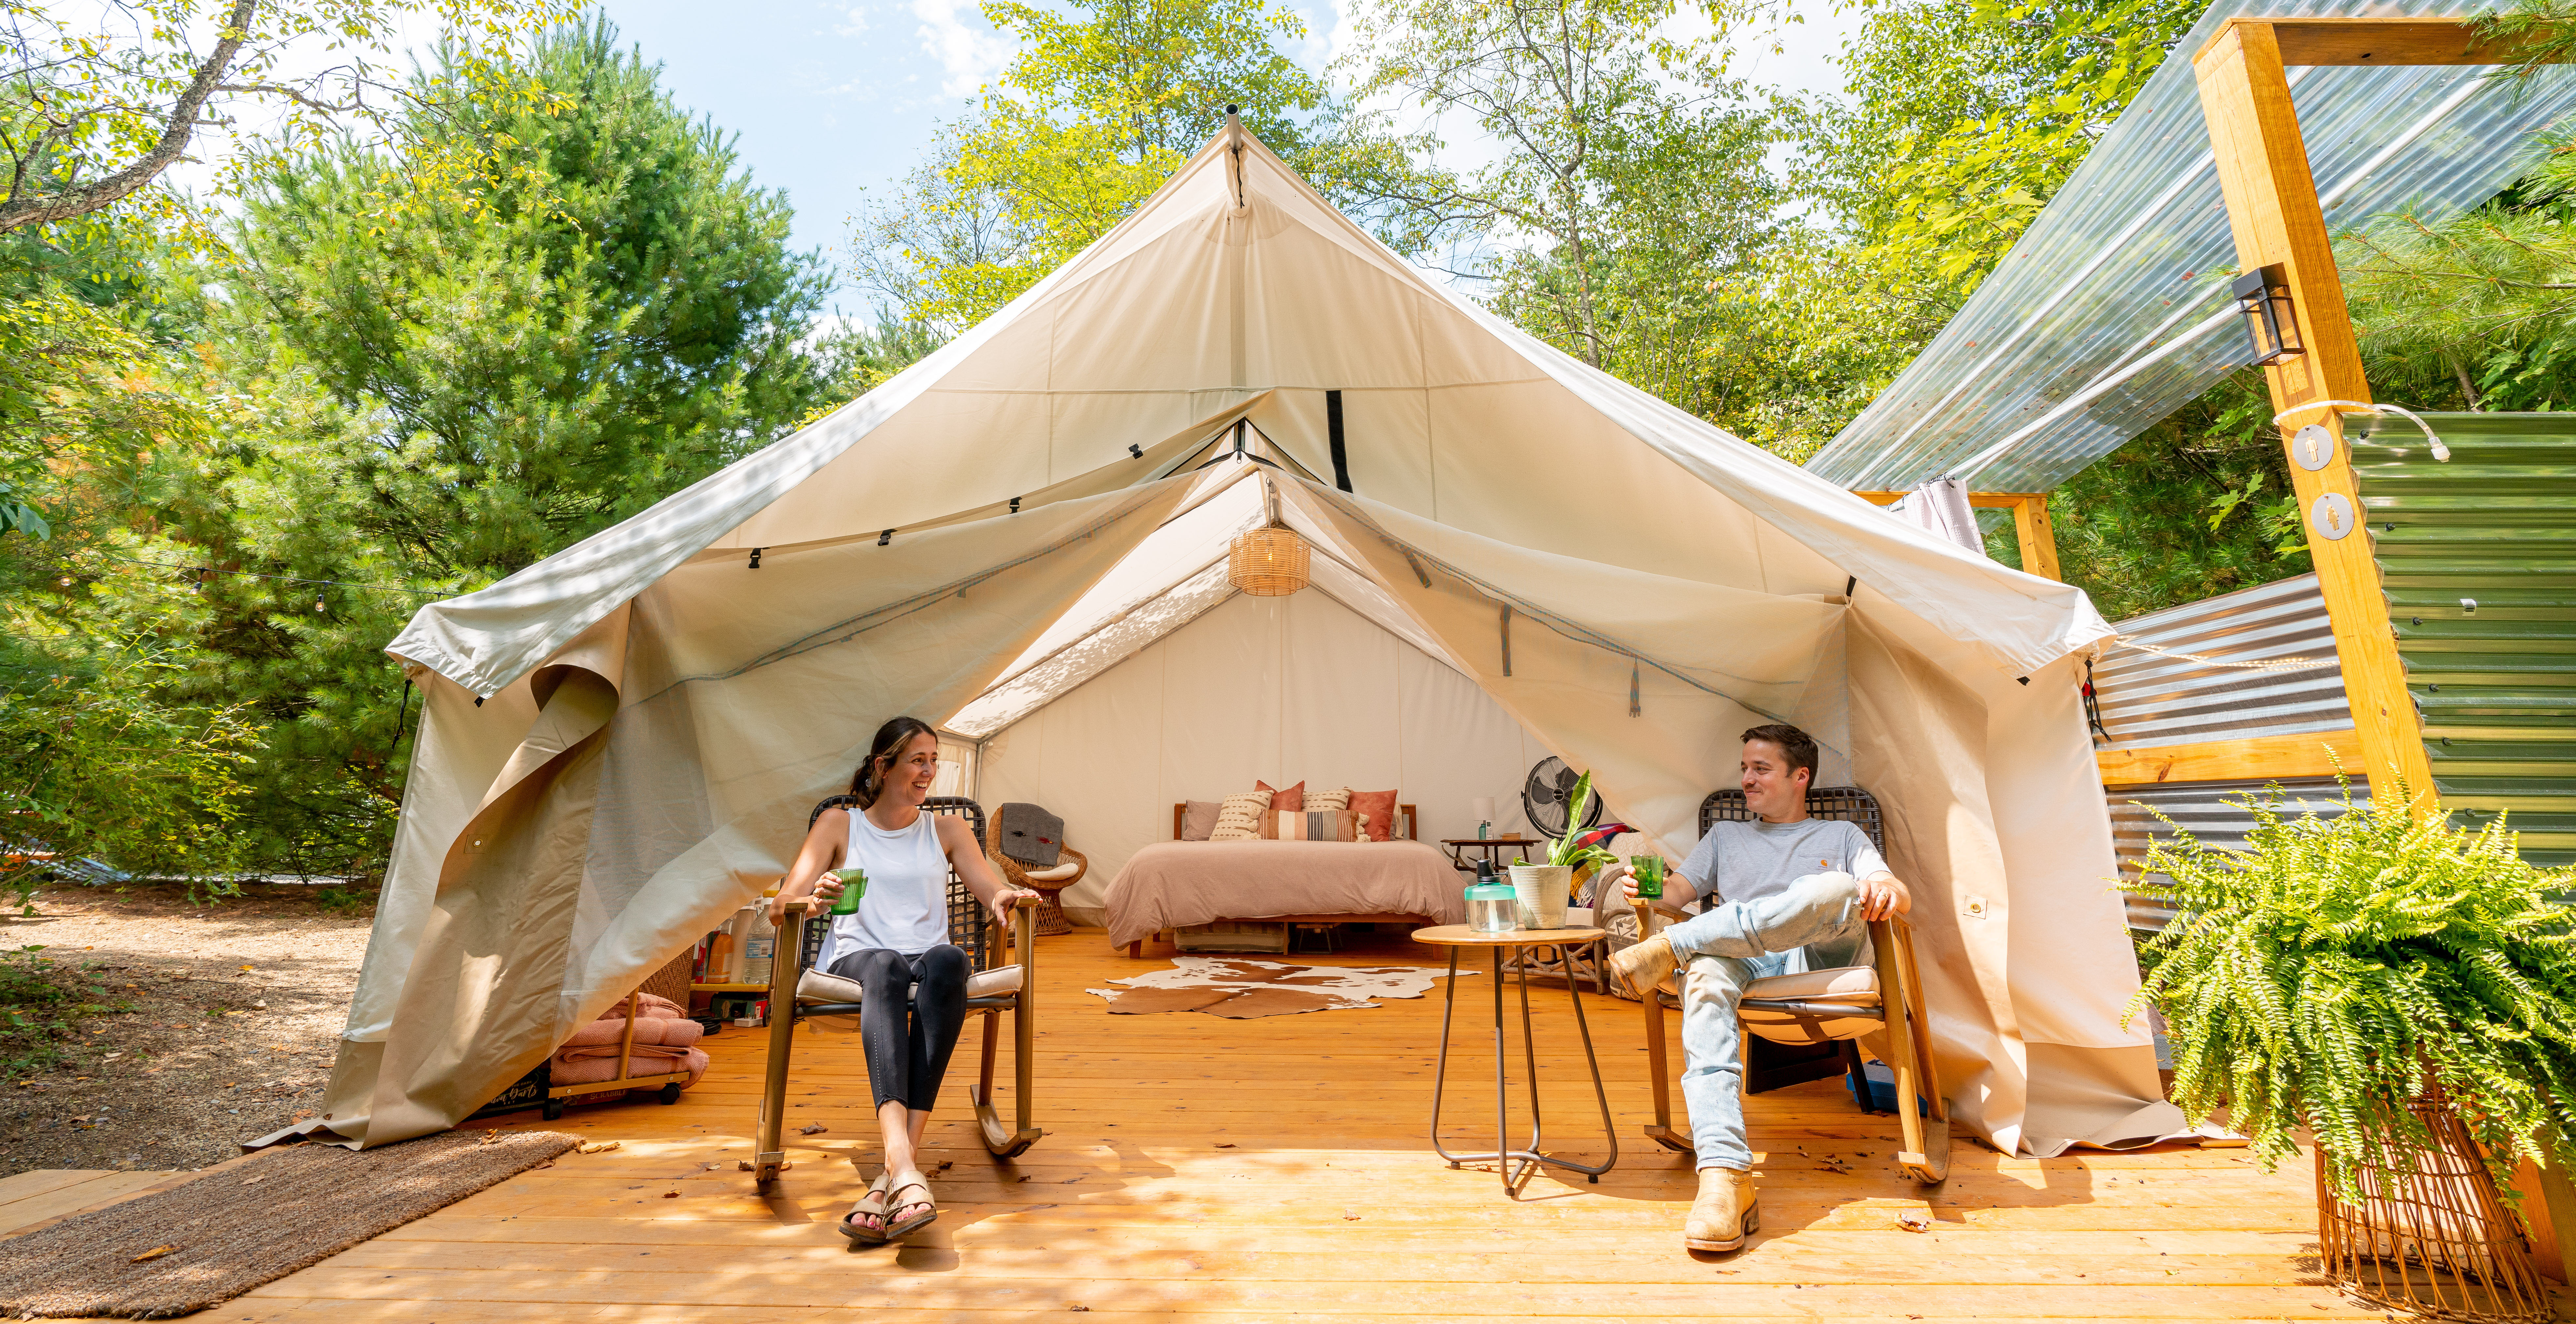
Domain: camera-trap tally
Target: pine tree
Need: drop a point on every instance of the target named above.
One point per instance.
(414, 397)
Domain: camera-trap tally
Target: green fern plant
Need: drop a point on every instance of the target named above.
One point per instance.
(2317, 976)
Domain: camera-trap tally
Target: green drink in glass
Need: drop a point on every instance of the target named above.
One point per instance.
(854, 884)
(1649, 870)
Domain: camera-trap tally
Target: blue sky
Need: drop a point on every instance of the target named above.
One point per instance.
(834, 101)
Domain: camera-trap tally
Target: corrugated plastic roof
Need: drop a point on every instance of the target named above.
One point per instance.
(2112, 312)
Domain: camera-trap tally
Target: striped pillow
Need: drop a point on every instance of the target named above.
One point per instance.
(1311, 825)
(1240, 817)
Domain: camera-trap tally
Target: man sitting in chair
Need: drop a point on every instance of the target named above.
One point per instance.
(1782, 895)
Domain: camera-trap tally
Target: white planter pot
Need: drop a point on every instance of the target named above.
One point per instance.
(1541, 891)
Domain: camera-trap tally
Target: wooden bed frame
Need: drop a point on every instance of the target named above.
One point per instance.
(1181, 811)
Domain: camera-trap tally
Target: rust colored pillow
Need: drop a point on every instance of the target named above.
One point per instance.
(1380, 808)
(1289, 801)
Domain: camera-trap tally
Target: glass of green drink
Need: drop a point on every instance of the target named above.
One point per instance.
(854, 884)
(1649, 870)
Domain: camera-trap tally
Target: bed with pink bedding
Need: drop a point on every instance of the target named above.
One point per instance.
(1174, 884)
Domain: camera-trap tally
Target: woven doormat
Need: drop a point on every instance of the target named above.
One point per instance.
(233, 1229)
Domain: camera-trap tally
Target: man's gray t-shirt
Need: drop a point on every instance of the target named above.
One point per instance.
(1749, 861)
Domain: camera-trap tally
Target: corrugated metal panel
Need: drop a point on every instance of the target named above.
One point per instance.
(2151, 698)
(2203, 810)
(2496, 684)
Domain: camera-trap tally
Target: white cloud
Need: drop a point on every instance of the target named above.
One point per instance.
(852, 23)
(968, 52)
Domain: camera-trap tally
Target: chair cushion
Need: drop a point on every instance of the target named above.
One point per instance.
(1851, 986)
(819, 987)
(1055, 875)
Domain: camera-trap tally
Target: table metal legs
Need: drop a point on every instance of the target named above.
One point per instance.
(1517, 1163)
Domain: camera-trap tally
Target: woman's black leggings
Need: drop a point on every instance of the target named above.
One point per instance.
(908, 1044)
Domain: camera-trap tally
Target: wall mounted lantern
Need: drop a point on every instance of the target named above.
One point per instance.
(2263, 295)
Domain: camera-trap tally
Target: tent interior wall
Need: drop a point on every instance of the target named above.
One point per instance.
(1299, 688)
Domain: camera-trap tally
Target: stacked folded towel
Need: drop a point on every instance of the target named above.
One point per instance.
(665, 1041)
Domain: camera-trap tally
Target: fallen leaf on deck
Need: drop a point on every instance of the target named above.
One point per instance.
(670, 1195)
(812, 1129)
(153, 1254)
(1349, 1216)
(254, 1181)
(1914, 1222)
(946, 1164)
(1225, 1144)
(596, 1146)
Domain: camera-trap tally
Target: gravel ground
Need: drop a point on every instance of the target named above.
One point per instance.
(235, 1011)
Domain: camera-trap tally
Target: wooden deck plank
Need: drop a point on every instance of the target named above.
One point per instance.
(1276, 1169)
(102, 1188)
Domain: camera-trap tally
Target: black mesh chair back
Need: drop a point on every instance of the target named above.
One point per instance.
(967, 923)
(1850, 804)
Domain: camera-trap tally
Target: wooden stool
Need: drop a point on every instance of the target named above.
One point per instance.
(1046, 883)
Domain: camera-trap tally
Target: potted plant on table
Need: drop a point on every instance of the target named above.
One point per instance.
(1542, 890)
(2405, 992)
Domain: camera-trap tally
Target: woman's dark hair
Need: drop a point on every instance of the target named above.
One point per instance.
(869, 781)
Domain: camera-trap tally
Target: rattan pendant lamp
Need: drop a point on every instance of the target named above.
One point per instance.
(1270, 561)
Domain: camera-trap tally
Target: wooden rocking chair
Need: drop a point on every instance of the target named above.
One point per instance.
(1002, 977)
(1818, 1007)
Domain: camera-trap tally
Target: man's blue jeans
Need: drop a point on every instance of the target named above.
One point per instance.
(1814, 925)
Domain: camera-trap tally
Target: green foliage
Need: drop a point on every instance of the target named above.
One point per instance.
(614, 323)
(1103, 101)
(43, 1003)
(259, 463)
(96, 101)
(2198, 505)
(2322, 976)
(2478, 312)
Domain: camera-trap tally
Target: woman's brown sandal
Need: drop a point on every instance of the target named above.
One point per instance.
(906, 1226)
(871, 1205)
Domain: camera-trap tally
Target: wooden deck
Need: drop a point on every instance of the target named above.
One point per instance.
(1273, 1169)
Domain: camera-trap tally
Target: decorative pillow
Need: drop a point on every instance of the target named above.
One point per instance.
(1337, 798)
(1311, 825)
(1380, 808)
(1239, 819)
(1289, 801)
(1199, 819)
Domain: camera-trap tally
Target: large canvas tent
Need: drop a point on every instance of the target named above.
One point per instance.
(620, 744)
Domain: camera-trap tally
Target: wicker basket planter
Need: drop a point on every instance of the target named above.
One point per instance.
(2428, 1233)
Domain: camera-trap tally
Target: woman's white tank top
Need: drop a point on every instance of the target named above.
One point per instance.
(906, 908)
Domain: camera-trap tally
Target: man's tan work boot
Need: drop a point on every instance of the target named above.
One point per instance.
(1724, 1214)
(1645, 964)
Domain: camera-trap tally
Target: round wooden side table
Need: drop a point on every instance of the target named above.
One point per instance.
(1515, 1163)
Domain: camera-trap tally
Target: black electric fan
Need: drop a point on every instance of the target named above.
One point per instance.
(1548, 798)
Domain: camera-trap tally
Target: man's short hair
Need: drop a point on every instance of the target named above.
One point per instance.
(1797, 744)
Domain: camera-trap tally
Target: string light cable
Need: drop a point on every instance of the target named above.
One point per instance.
(2440, 451)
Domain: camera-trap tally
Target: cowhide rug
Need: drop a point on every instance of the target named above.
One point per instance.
(1241, 989)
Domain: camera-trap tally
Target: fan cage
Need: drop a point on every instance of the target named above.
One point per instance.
(1267, 562)
(1534, 807)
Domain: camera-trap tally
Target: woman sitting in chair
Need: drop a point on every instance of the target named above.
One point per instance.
(897, 947)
